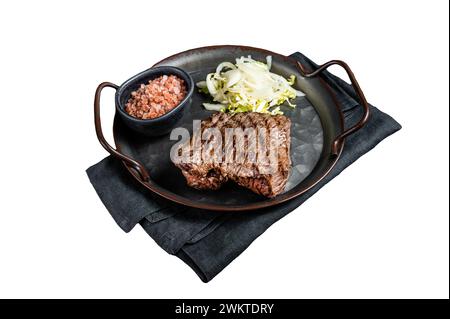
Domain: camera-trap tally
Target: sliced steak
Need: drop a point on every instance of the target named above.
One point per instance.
(238, 160)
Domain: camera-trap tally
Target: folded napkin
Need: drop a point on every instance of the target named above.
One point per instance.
(208, 241)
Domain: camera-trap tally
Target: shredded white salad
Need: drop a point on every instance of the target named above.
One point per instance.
(247, 86)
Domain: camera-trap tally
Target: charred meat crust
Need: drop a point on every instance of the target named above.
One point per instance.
(247, 174)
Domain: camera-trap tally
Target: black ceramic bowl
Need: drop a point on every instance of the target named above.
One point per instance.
(159, 125)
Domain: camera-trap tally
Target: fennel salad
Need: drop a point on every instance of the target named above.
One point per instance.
(248, 86)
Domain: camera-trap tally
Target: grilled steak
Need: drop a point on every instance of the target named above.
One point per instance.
(260, 162)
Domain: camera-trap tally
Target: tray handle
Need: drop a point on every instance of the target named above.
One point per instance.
(337, 143)
(98, 129)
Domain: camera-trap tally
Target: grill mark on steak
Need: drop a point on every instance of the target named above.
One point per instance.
(207, 175)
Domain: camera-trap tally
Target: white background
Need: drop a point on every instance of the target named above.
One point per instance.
(380, 229)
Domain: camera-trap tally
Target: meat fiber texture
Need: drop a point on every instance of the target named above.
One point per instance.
(265, 171)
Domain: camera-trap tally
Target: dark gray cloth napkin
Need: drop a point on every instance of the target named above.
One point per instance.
(208, 241)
